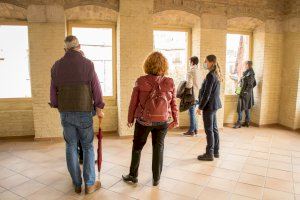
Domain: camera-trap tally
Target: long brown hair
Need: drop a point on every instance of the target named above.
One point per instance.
(215, 68)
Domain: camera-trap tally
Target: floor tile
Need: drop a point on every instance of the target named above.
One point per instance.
(278, 184)
(7, 195)
(212, 193)
(13, 181)
(270, 194)
(27, 188)
(248, 190)
(252, 179)
(46, 193)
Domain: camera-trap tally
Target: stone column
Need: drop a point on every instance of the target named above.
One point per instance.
(290, 87)
(134, 43)
(213, 41)
(46, 25)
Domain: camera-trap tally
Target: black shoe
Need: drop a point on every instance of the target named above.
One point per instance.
(216, 155)
(246, 124)
(155, 183)
(189, 133)
(129, 178)
(206, 157)
(237, 125)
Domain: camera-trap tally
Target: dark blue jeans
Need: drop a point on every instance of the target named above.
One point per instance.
(240, 116)
(211, 130)
(78, 126)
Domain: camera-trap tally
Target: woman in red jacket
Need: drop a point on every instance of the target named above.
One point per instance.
(152, 107)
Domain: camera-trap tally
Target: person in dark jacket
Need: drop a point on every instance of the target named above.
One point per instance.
(209, 103)
(246, 98)
(75, 91)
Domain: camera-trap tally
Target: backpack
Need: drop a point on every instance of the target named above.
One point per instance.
(156, 107)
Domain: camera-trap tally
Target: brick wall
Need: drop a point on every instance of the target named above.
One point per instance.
(258, 66)
(46, 35)
(16, 117)
(289, 106)
(213, 41)
(271, 87)
(275, 55)
(134, 43)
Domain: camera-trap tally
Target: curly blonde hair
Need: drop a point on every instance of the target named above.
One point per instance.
(156, 64)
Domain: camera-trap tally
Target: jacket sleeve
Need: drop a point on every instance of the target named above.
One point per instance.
(53, 91)
(189, 81)
(248, 84)
(207, 88)
(133, 103)
(96, 90)
(173, 103)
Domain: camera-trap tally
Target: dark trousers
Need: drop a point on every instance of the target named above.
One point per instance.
(211, 130)
(240, 116)
(140, 138)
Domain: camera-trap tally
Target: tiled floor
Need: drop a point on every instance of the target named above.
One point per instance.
(255, 163)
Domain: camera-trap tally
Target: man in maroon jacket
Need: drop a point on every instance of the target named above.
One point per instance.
(76, 92)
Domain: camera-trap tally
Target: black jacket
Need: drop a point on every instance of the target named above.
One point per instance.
(209, 95)
(246, 98)
(186, 96)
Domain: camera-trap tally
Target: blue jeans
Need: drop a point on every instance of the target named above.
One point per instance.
(240, 116)
(193, 118)
(78, 126)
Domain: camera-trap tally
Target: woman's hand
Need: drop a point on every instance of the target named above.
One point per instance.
(174, 124)
(199, 112)
(129, 124)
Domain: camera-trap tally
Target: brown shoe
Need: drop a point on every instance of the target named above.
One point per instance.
(92, 188)
(78, 190)
(189, 134)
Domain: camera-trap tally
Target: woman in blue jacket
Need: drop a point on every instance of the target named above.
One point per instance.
(209, 103)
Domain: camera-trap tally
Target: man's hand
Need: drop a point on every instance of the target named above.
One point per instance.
(99, 112)
(173, 125)
(199, 112)
(129, 125)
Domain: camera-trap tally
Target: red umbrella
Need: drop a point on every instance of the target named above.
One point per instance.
(99, 150)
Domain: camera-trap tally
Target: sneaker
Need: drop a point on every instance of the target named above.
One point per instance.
(189, 133)
(206, 157)
(92, 188)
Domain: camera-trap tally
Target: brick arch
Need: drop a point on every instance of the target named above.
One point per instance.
(11, 11)
(110, 4)
(193, 7)
(175, 18)
(91, 12)
(244, 23)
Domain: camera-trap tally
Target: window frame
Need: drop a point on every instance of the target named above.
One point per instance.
(18, 23)
(177, 29)
(250, 34)
(109, 100)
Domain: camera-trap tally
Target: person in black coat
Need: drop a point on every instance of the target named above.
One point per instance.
(246, 98)
(209, 103)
